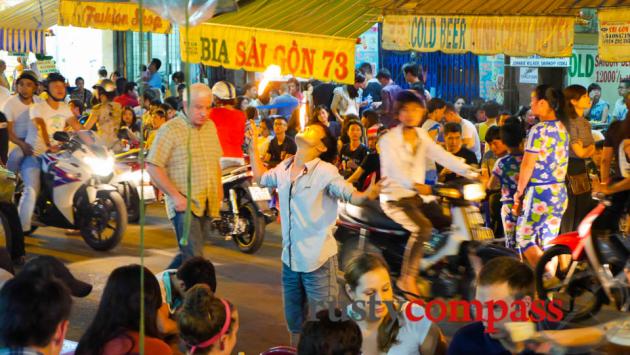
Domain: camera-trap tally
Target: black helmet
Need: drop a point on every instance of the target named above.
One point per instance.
(27, 74)
(52, 77)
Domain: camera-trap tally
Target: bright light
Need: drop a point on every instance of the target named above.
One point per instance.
(100, 167)
(273, 72)
(302, 114)
(474, 192)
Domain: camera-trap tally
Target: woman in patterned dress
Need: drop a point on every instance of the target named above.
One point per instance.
(541, 195)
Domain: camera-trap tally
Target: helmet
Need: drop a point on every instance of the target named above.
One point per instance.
(224, 90)
(52, 77)
(106, 85)
(27, 74)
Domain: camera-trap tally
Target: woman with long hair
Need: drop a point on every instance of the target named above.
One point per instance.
(582, 147)
(542, 194)
(321, 114)
(367, 281)
(207, 324)
(115, 328)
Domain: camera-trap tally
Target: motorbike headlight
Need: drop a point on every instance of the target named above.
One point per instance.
(99, 166)
(140, 177)
(474, 192)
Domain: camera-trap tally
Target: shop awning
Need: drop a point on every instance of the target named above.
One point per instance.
(306, 38)
(109, 15)
(24, 23)
(513, 27)
(22, 41)
(493, 7)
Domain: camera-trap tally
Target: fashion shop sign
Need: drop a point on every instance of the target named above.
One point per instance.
(452, 310)
(485, 35)
(233, 47)
(110, 16)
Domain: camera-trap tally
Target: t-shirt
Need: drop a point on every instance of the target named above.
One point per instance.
(483, 128)
(549, 140)
(469, 131)
(17, 112)
(597, 110)
(506, 170)
(620, 111)
(347, 155)
(156, 81)
(288, 104)
(614, 137)
(372, 92)
(371, 164)
(579, 129)
(472, 340)
(55, 121)
(230, 125)
(278, 152)
(123, 345)
(323, 94)
(469, 158)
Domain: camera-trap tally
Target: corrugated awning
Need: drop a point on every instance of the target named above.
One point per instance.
(493, 7)
(30, 15)
(22, 41)
(306, 38)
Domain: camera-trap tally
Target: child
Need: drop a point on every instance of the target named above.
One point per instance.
(506, 171)
(352, 153)
(496, 150)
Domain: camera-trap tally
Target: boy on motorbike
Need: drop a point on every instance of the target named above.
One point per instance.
(405, 151)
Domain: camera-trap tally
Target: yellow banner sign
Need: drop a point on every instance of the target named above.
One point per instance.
(614, 35)
(110, 16)
(306, 56)
(516, 36)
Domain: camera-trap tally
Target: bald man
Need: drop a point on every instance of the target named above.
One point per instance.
(168, 166)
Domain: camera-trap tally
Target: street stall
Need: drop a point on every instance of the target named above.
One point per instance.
(265, 32)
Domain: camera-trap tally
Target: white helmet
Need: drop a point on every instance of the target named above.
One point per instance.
(224, 90)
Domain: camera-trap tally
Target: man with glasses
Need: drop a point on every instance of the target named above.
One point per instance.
(281, 146)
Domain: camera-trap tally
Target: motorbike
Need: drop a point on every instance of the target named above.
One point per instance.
(7, 190)
(132, 182)
(446, 262)
(74, 193)
(589, 269)
(245, 212)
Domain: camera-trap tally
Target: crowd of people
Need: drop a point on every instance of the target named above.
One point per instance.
(359, 142)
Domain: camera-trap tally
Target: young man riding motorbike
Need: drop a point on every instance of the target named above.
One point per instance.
(405, 150)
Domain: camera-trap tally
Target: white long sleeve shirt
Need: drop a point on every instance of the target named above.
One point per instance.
(402, 170)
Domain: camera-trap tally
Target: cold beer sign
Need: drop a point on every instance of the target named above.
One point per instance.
(308, 56)
(552, 37)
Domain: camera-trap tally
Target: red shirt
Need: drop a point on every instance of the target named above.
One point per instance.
(230, 125)
(126, 100)
(124, 345)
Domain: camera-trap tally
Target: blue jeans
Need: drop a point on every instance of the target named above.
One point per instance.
(30, 171)
(199, 228)
(301, 289)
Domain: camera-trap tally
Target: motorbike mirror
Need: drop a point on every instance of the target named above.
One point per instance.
(61, 136)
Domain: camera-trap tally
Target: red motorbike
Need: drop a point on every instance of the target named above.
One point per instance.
(589, 269)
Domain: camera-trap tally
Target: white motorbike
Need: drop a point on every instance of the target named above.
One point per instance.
(74, 194)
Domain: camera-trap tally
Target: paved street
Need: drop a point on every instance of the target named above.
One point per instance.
(252, 282)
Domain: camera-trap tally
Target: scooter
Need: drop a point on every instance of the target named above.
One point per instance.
(590, 268)
(447, 262)
(132, 182)
(245, 212)
(74, 193)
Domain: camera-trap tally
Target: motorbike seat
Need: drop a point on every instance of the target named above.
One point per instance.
(369, 214)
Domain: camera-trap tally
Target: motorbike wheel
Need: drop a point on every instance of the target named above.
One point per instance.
(107, 213)
(582, 298)
(132, 204)
(250, 241)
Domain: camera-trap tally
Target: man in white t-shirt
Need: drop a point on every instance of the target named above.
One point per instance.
(470, 137)
(18, 120)
(5, 94)
(47, 118)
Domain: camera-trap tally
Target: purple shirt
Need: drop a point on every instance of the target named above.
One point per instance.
(388, 97)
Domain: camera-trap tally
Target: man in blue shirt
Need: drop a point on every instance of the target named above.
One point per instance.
(155, 81)
(285, 102)
(308, 186)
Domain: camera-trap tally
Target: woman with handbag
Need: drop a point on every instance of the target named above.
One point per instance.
(542, 194)
(582, 147)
